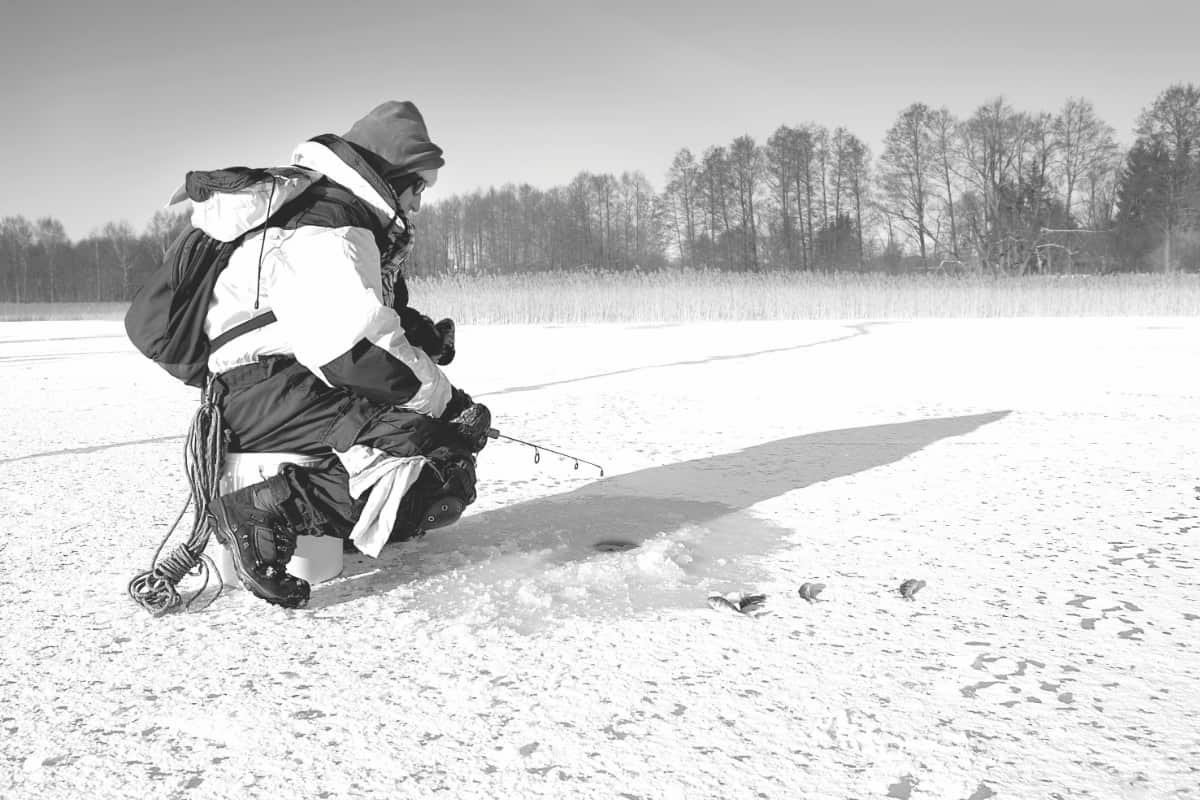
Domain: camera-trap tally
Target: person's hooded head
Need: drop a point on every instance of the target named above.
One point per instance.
(397, 141)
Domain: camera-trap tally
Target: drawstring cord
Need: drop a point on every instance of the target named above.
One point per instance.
(263, 245)
(156, 589)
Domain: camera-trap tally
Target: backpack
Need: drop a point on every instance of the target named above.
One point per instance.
(165, 320)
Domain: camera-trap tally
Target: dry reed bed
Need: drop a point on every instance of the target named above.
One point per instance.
(683, 296)
(696, 296)
(27, 312)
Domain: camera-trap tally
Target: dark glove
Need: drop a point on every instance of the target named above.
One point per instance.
(421, 332)
(459, 400)
(445, 329)
(472, 426)
(437, 340)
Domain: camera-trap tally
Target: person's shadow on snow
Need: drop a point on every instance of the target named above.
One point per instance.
(641, 505)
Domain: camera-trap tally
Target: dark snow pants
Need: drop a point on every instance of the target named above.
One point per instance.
(278, 405)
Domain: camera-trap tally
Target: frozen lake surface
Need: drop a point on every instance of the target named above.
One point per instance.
(1039, 474)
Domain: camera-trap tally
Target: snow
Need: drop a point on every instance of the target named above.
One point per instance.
(1039, 474)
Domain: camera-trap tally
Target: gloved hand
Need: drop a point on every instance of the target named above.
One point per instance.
(459, 400)
(472, 425)
(421, 332)
(437, 340)
(445, 329)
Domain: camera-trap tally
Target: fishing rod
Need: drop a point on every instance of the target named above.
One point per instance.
(537, 448)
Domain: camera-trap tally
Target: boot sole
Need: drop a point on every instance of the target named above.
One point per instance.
(221, 528)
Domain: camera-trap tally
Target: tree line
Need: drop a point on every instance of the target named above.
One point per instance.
(1002, 191)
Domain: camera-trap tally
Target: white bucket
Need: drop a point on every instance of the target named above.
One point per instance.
(317, 558)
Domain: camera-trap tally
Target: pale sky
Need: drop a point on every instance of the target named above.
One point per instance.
(105, 106)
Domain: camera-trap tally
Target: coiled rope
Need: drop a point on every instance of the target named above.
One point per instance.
(156, 589)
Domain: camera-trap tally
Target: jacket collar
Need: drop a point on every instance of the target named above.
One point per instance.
(337, 160)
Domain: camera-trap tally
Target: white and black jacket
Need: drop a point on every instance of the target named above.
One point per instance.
(316, 267)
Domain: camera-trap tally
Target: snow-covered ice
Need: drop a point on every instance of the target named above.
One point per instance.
(1038, 474)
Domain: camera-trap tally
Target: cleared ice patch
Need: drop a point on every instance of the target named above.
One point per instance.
(489, 582)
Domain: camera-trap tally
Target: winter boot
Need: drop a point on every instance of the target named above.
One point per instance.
(439, 496)
(254, 525)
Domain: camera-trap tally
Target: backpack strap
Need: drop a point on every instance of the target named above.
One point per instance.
(337, 206)
(253, 324)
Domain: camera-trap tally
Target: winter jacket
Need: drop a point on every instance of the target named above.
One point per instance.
(316, 266)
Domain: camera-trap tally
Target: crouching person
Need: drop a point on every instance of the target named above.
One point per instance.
(315, 350)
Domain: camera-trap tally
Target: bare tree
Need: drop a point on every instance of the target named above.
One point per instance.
(803, 146)
(602, 190)
(779, 165)
(905, 168)
(820, 150)
(942, 132)
(1100, 187)
(16, 241)
(51, 238)
(746, 162)
(1085, 145)
(715, 185)
(992, 148)
(839, 142)
(123, 242)
(637, 217)
(682, 192)
(857, 161)
(1034, 206)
